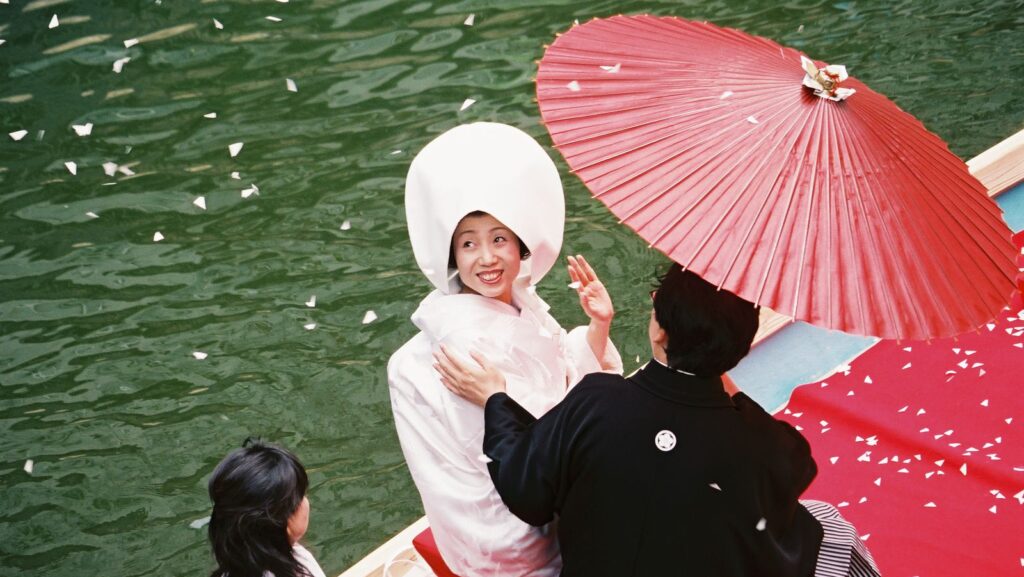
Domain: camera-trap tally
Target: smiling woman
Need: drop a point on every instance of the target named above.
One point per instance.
(472, 198)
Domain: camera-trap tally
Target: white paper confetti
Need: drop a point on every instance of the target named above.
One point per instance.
(466, 104)
(131, 42)
(346, 225)
(573, 86)
(199, 523)
(235, 148)
(762, 524)
(18, 135)
(311, 303)
(82, 129)
(54, 22)
(868, 380)
(253, 189)
(210, 115)
(963, 469)
(843, 504)
(1020, 497)
(470, 20)
(309, 326)
(200, 202)
(575, 285)
(158, 236)
(984, 403)
(920, 412)
(273, 18)
(29, 466)
(125, 170)
(369, 317)
(612, 69)
(396, 151)
(725, 95)
(990, 326)
(91, 214)
(199, 355)
(72, 167)
(119, 64)
(834, 460)
(908, 349)
(930, 505)
(290, 85)
(904, 409)
(752, 120)
(861, 502)
(865, 458)
(217, 24)
(878, 482)
(992, 509)
(110, 168)
(906, 366)
(715, 486)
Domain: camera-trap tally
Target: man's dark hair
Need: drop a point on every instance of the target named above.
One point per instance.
(709, 330)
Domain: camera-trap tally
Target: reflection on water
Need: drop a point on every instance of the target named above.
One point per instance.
(100, 385)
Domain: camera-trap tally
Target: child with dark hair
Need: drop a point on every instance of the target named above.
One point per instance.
(260, 511)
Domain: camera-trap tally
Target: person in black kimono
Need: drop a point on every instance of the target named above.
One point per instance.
(664, 472)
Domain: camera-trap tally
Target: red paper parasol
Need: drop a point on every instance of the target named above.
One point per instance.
(846, 214)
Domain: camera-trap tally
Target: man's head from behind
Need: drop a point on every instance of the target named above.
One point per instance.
(704, 331)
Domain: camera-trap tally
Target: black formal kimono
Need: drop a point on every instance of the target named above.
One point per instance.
(658, 474)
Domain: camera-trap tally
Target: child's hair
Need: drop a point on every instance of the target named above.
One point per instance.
(255, 490)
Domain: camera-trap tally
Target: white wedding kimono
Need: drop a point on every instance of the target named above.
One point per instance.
(442, 435)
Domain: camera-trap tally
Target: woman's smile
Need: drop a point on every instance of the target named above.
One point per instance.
(487, 255)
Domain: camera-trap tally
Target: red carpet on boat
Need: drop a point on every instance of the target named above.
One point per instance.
(921, 446)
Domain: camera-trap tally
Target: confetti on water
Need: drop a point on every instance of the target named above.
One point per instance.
(199, 523)
(210, 115)
(217, 24)
(158, 236)
(110, 168)
(309, 326)
(715, 486)
(200, 202)
(612, 69)
(290, 85)
(119, 64)
(253, 189)
(82, 129)
(470, 20)
(273, 18)
(235, 148)
(369, 317)
(311, 303)
(199, 355)
(18, 135)
(466, 104)
(92, 214)
(72, 167)
(131, 42)
(346, 225)
(54, 22)
(573, 86)
(235, 175)
(801, 29)
(29, 466)
(762, 524)
(126, 171)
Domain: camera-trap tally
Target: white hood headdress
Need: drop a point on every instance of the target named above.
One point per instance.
(493, 168)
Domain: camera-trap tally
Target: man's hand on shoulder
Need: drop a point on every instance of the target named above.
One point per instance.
(473, 381)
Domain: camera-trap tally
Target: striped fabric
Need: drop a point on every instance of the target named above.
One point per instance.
(842, 553)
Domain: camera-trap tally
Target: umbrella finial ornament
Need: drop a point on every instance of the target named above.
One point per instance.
(826, 81)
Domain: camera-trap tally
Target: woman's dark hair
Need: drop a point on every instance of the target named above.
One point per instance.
(524, 251)
(709, 330)
(254, 491)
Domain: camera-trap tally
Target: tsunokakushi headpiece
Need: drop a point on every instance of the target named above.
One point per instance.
(488, 167)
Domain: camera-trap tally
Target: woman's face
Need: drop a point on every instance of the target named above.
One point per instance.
(487, 256)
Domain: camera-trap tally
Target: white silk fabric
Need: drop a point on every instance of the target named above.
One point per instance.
(442, 435)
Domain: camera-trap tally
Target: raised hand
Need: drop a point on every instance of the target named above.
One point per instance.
(594, 298)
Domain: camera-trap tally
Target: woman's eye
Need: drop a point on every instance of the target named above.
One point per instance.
(499, 239)
(467, 244)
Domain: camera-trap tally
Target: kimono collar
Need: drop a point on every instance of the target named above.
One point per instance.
(681, 388)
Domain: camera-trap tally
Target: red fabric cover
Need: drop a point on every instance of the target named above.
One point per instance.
(901, 424)
(427, 548)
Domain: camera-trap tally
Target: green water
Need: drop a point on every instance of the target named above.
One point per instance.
(98, 323)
